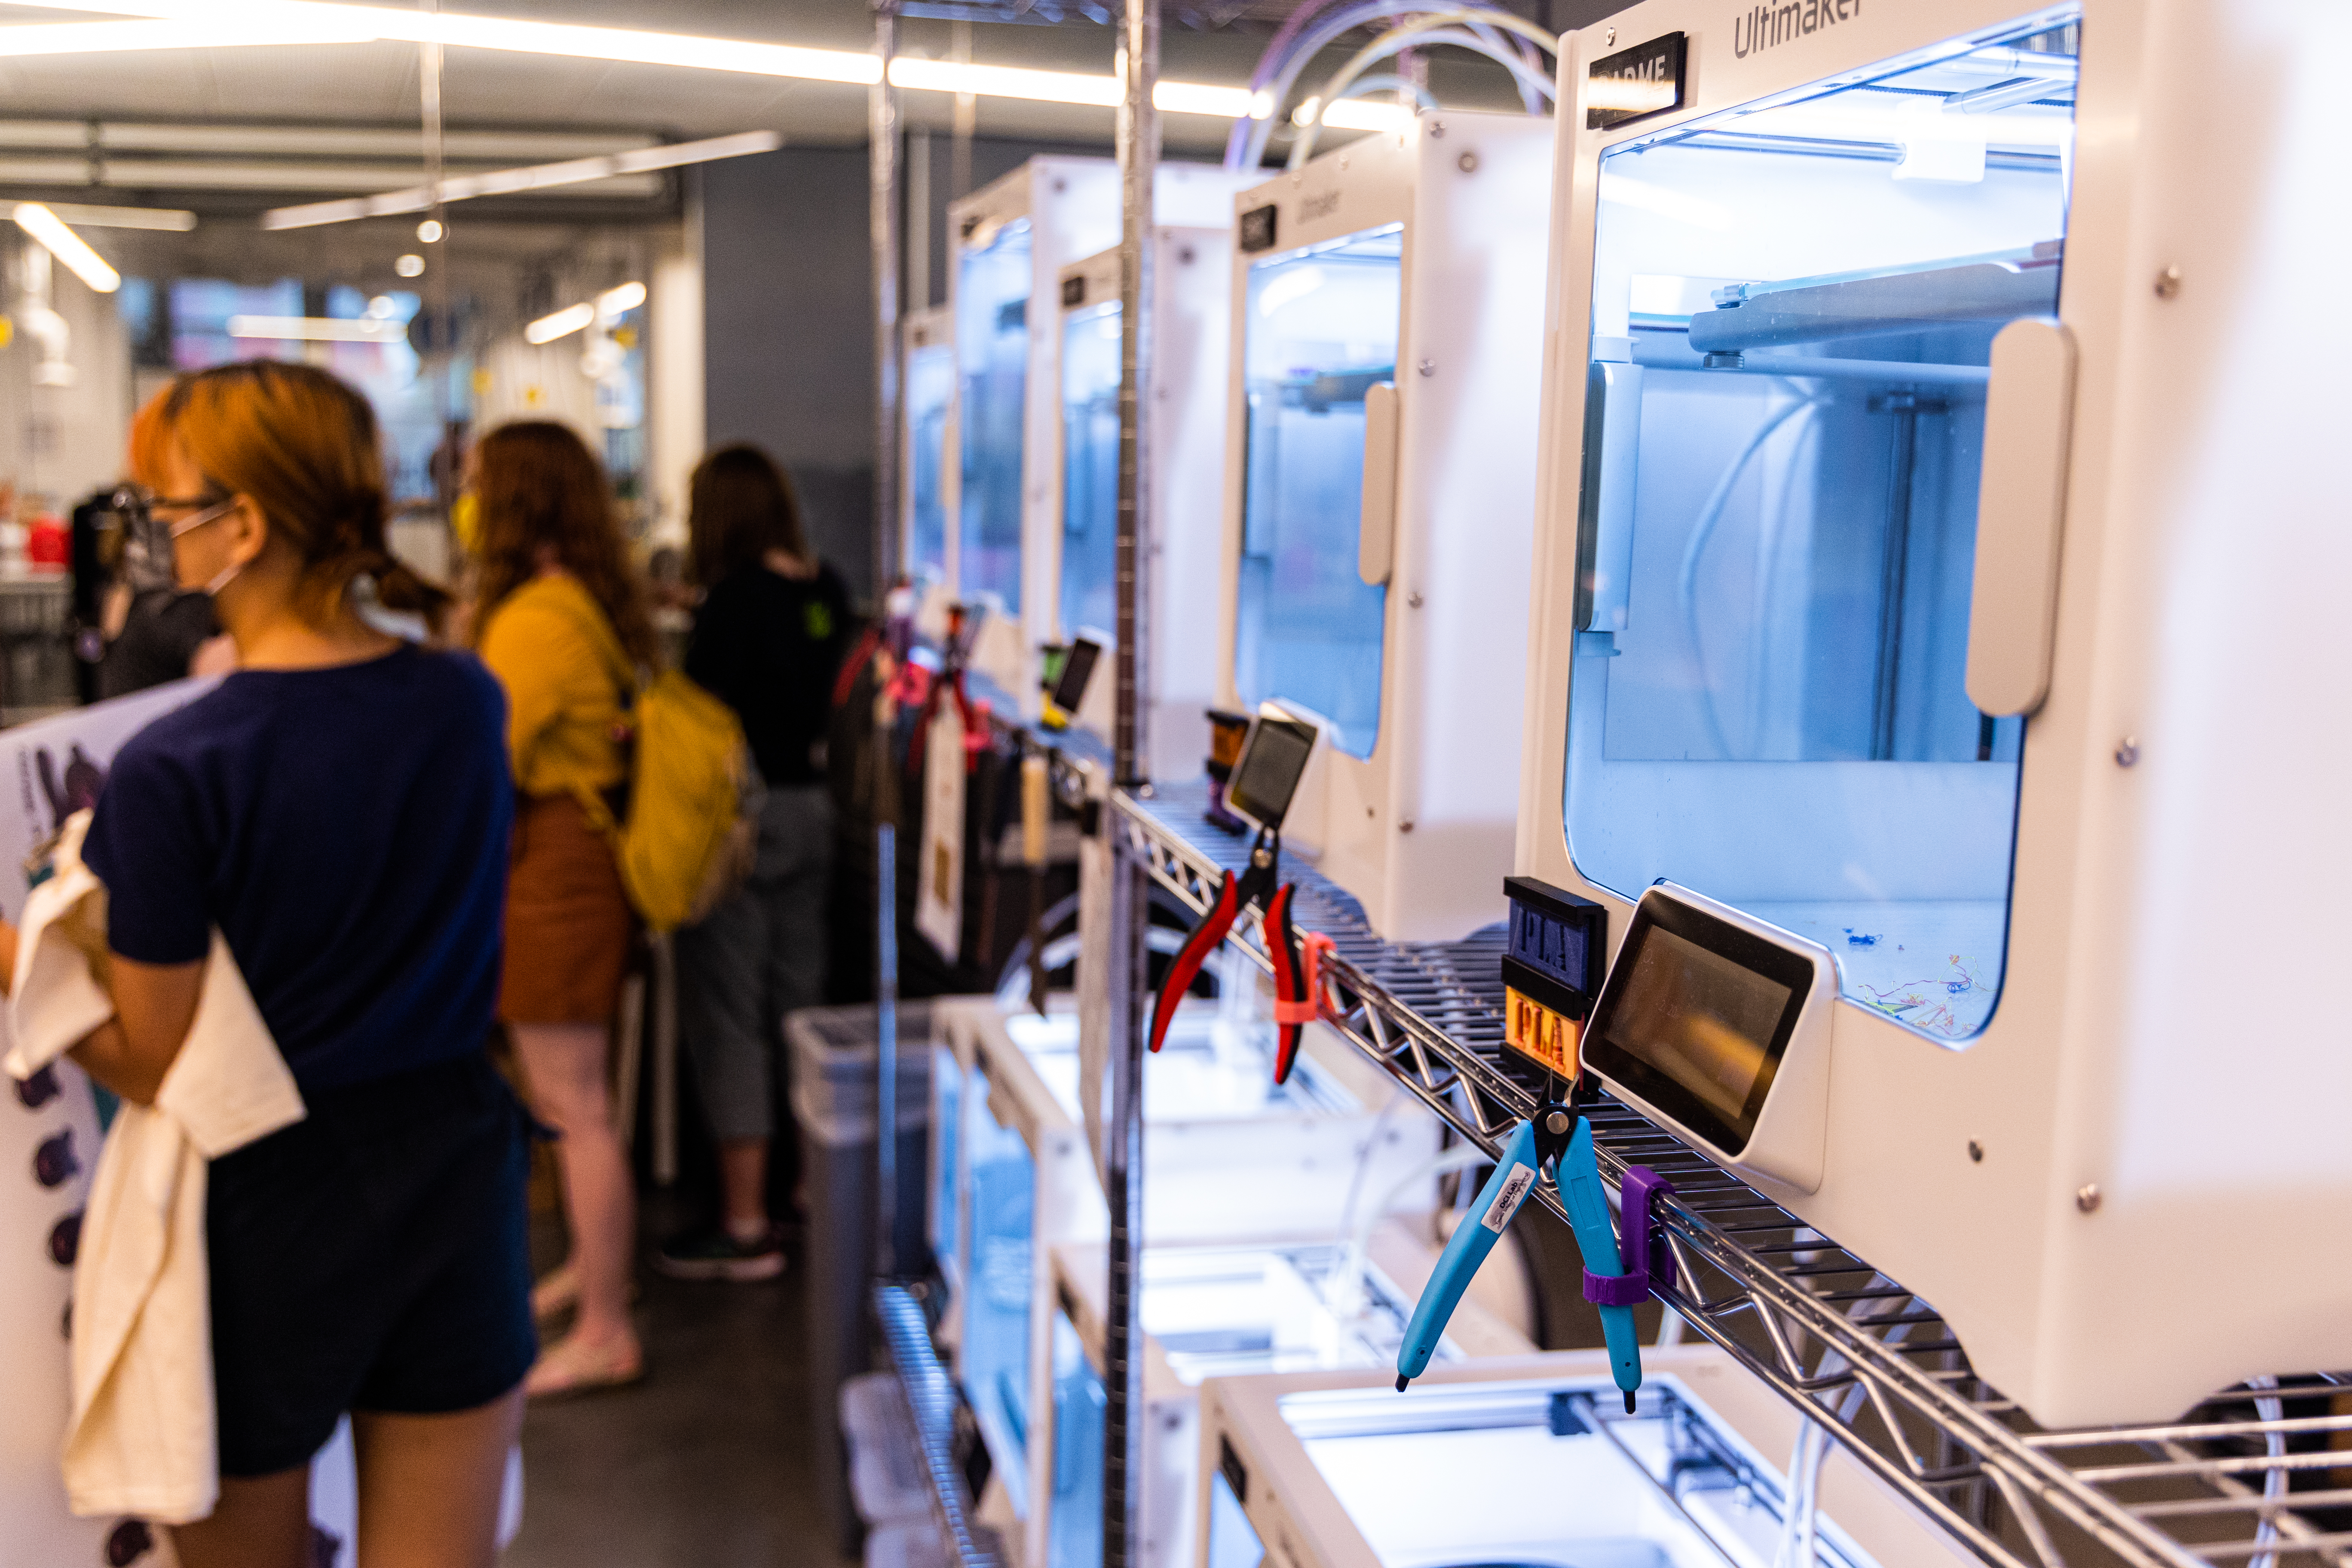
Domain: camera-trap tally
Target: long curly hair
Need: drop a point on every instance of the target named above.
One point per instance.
(539, 488)
(304, 446)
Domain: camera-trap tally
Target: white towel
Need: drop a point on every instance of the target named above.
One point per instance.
(142, 1437)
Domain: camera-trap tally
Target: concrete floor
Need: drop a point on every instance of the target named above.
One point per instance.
(708, 1463)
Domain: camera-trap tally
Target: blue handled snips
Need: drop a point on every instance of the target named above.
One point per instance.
(1559, 1138)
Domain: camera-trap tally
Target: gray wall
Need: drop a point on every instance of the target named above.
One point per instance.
(789, 347)
(788, 353)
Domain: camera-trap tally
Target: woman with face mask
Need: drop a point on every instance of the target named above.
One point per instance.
(166, 631)
(337, 809)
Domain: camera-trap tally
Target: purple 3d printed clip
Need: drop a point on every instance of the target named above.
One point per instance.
(1632, 1287)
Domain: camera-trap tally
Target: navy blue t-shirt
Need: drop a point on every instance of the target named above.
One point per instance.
(347, 829)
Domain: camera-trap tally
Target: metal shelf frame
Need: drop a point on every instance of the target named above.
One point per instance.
(1869, 1361)
(931, 1396)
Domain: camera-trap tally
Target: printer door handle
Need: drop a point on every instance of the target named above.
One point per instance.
(2021, 516)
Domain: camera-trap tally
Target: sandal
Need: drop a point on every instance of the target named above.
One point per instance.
(569, 1366)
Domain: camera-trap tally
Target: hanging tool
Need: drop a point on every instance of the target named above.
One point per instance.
(1558, 1142)
(1036, 822)
(1259, 885)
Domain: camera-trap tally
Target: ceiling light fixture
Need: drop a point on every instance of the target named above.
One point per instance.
(308, 21)
(512, 181)
(67, 246)
(429, 232)
(170, 219)
(620, 300)
(410, 266)
(1353, 114)
(562, 324)
(1004, 81)
(225, 30)
(319, 329)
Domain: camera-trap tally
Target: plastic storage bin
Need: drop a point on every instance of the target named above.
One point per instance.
(833, 1083)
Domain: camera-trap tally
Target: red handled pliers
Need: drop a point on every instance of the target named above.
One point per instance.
(1296, 980)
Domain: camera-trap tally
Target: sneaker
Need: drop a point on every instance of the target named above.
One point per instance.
(717, 1255)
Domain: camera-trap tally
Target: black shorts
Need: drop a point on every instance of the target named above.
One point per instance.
(374, 1256)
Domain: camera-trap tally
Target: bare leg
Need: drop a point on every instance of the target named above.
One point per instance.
(565, 1063)
(429, 1485)
(743, 1179)
(262, 1521)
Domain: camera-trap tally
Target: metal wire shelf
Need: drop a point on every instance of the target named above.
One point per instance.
(931, 1395)
(1871, 1363)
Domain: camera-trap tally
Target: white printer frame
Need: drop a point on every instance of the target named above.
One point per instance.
(1258, 1188)
(1072, 206)
(2082, 1188)
(1191, 342)
(1302, 1522)
(1167, 1517)
(1421, 831)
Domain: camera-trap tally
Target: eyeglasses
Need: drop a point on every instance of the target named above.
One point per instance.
(208, 508)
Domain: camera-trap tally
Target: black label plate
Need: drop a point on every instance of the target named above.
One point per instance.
(1635, 83)
(1257, 229)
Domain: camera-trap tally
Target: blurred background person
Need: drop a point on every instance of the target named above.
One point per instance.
(768, 637)
(155, 629)
(560, 619)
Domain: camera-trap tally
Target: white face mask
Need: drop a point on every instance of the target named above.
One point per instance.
(212, 514)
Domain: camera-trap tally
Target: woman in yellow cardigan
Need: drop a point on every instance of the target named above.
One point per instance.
(561, 623)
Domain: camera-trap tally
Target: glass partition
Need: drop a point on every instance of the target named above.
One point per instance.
(1090, 469)
(991, 349)
(930, 389)
(1232, 1541)
(1793, 309)
(995, 1358)
(1080, 1402)
(1320, 332)
(946, 1217)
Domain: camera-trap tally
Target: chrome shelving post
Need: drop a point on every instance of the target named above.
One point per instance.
(1138, 164)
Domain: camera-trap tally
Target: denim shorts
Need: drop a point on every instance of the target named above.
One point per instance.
(373, 1257)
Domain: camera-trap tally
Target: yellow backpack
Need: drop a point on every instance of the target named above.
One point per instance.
(693, 823)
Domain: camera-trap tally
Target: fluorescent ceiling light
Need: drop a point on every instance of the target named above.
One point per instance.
(562, 324)
(319, 329)
(620, 301)
(1005, 81)
(226, 30)
(66, 246)
(314, 21)
(311, 17)
(510, 182)
(1362, 114)
(81, 217)
(1225, 102)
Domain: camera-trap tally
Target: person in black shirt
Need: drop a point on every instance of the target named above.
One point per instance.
(768, 639)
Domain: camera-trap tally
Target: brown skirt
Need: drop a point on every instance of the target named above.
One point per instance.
(569, 927)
